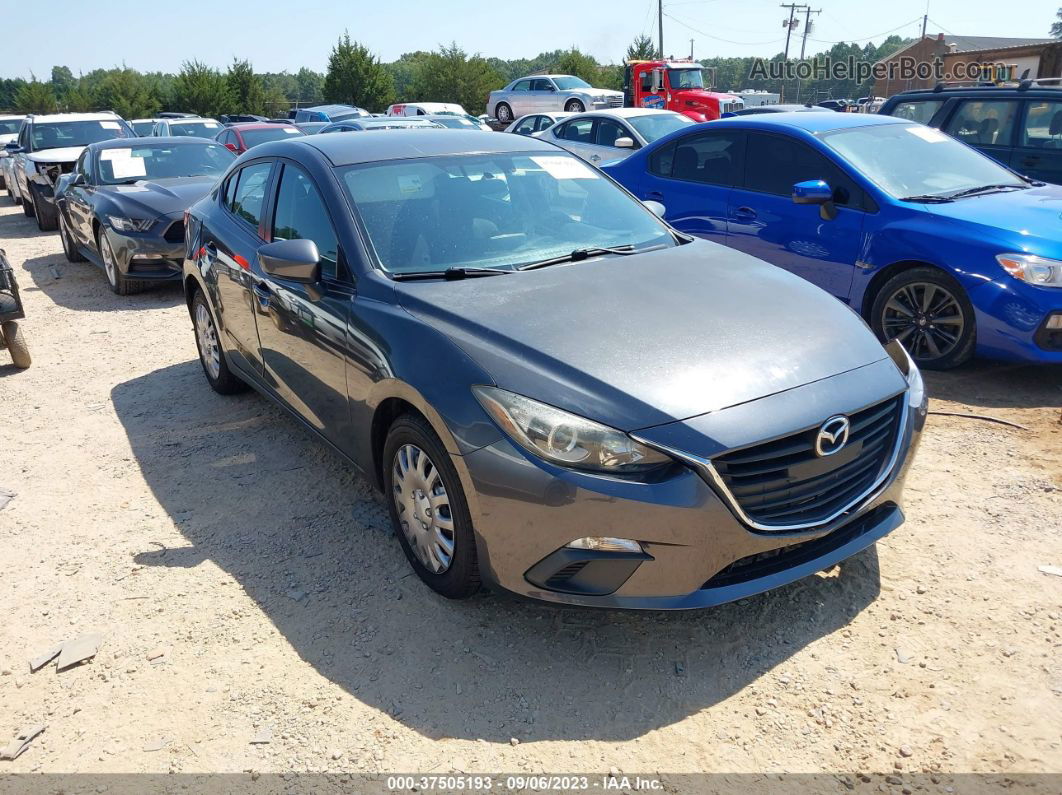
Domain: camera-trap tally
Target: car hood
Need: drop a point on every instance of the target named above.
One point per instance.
(65, 154)
(647, 339)
(597, 92)
(163, 196)
(1025, 220)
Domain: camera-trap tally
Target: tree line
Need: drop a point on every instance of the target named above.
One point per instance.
(356, 76)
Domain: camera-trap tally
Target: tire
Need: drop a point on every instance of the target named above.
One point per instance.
(929, 313)
(47, 220)
(415, 467)
(502, 112)
(70, 249)
(211, 356)
(16, 345)
(119, 282)
(27, 206)
(574, 106)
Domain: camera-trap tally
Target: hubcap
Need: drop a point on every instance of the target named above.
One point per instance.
(925, 318)
(503, 113)
(423, 508)
(208, 341)
(108, 259)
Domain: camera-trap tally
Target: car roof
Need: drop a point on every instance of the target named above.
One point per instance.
(944, 91)
(260, 125)
(7, 117)
(330, 108)
(809, 122)
(125, 143)
(346, 150)
(46, 117)
(192, 120)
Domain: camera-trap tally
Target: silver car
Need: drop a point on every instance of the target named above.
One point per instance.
(536, 122)
(539, 93)
(612, 134)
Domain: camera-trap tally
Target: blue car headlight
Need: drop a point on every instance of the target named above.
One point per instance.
(565, 439)
(1030, 268)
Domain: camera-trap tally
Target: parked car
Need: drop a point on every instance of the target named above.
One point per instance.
(312, 127)
(605, 135)
(123, 205)
(383, 123)
(8, 133)
(1018, 125)
(239, 138)
(144, 127)
(933, 243)
(242, 118)
(7, 170)
(777, 109)
(426, 109)
(430, 342)
(174, 114)
(544, 93)
(194, 127)
(535, 122)
(455, 122)
(47, 147)
(328, 113)
(838, 105)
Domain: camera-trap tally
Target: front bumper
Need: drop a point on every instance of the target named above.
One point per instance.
(150, 255)
(1011, 318)
(697, 552)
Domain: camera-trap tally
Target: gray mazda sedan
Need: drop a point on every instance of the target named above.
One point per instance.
(557, 393)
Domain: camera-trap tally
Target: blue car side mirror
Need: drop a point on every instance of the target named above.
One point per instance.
(813, 191)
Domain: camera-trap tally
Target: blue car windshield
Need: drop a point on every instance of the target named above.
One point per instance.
(912, 160)
(493, 211)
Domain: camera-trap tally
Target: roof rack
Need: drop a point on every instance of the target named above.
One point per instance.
(1038, 82)
(945, 84)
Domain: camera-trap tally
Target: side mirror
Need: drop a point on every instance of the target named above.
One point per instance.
(13, 148)
(294, 260)
(656, 208)
(231, 147)
(77, 179)
(816, 191)
(624, 142)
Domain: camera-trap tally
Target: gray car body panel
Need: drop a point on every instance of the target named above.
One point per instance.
(525, 102)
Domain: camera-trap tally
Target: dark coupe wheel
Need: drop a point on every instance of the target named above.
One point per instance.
(211, 356)
(504, 112)
(574, 106)
(929, 313)
(428, 508)
(70, 249)
(119, 282)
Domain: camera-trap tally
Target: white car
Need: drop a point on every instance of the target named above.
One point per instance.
(536, 122)
(435, 109)
(8, 133)
(191, 127)
(145, 127)
(612, 134)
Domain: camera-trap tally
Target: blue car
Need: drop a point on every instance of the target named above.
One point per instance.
(933, 243)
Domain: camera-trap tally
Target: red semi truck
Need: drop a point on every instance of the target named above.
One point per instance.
(676, 85)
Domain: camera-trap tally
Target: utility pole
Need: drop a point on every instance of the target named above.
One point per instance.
(925, 20)
(807, 28)
(789, 25)
(660, 25)
(691, 49)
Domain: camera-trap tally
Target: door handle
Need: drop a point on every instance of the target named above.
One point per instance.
(263, 294)
(654, 195)
(745, 213)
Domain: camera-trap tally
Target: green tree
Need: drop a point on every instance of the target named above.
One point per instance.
(63, 81)
(1056, 27)
(128, 93)
(35, 97)
(356, 77)
(403, 71)
(309, 87)
(79, 97)
(573, 62)
(9, 89)
(641, 49)
(449, 74)
(246, 90)
(201, 89)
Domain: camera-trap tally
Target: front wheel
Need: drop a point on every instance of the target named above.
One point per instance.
(119, 282)
(574, 106)
(70, 249)
(27, 206)
(428, 508)
(929, 314)
(503, 113)
(15, 341)
(46, 216)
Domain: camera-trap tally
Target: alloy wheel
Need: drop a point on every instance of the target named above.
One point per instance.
(207, 336)
(109, 266)
(926, 318)
(423, 508)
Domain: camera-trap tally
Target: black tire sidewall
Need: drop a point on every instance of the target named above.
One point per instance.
(497, 112)
(226, 383)
(965, 349)
(461, 579)
(574, 106)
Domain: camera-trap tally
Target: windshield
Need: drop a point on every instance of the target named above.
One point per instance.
(492, 211)
(255, 137)
(54, 135)
(912, 160)
(456, 122)
(196, 129)
(686, 78)
(163, 161)
(657, 125)
(9, 126)
(143, 128)
(568, 82)
(353, 114)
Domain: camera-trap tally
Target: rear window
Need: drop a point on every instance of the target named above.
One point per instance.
(921, 111)
(278, 133)
(200, 129)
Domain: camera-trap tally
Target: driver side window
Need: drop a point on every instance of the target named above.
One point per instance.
(300, 214)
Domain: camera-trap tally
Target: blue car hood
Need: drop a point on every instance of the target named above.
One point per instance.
(647, 339)
(1026, 220)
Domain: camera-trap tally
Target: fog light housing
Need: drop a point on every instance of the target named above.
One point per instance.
(606, 544)
(1054, 322)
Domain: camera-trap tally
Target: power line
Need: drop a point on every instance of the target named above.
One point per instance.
(718, 38)
(868, 38)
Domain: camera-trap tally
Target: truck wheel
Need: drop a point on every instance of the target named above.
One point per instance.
(46, 217)
(503, 113)
(16, 345)
(574, 106)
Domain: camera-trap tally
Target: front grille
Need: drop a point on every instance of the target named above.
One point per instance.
(615, 102)
(174, 233)
(783, 482)
(733, 106)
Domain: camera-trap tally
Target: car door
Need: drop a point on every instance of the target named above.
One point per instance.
(79, 199)
(527, 125)
(692, 177)
(987, 125)
(543, 94)
(763, 221)
(229, 240)
(519, 99)
(302, 328)
(603, 145)
(576, 135)
(1038, 153)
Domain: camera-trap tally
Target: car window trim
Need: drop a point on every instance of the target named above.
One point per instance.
(960, 101)
(266, 205)
(342, 268)
(744, 133)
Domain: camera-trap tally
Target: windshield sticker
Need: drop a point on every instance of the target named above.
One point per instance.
(110, 125)
(410, 183)
(560, 167)
(928, 134)
(115, 154)
(292, 131)
(210, 125)
(126, 167)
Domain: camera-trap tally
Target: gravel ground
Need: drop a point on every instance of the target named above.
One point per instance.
(258, 571)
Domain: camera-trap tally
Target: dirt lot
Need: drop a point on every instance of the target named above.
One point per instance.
(168, 518)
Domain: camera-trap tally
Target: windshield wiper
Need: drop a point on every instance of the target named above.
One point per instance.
(450, 274)
(584, 253)
(984, 189)
(927, 198)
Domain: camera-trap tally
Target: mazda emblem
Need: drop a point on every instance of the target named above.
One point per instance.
(832, 436)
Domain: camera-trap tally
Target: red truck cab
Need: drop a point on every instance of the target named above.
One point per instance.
(676, 85)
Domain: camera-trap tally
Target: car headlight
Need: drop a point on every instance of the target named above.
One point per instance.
(916, 387)
(566, 439)
(122, 224)
(1032, 269)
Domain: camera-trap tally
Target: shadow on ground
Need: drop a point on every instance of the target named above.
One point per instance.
(82, 286)
(308, 540)
(989, 384)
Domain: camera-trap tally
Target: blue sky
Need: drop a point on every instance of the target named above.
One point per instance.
(281, 35)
